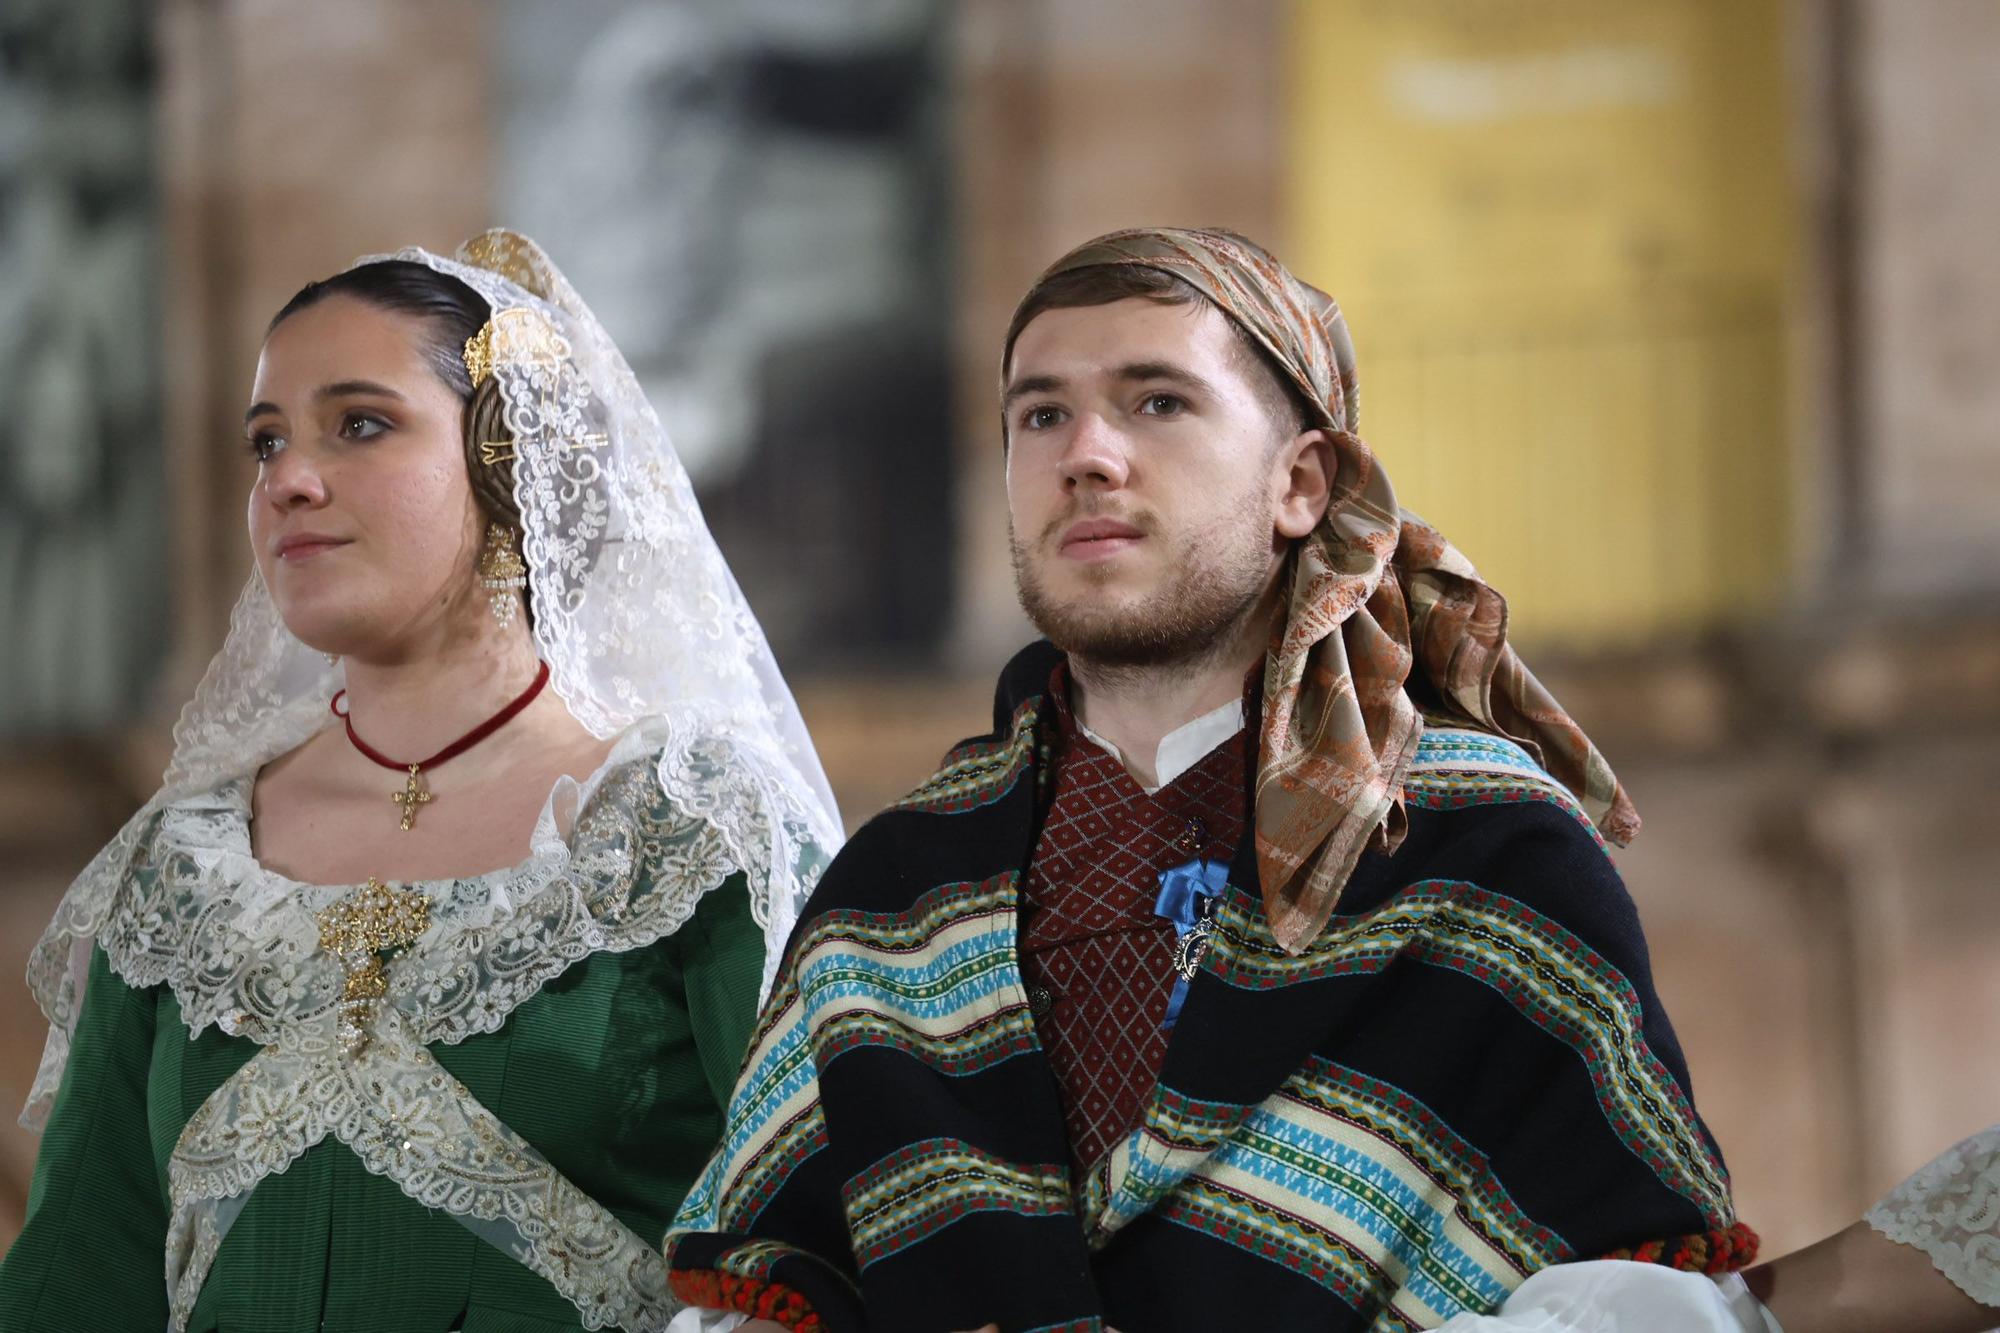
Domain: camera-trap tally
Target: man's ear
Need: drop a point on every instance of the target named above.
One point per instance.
(1306, 461)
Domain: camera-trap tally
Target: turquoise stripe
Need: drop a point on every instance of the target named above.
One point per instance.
(698, 1210)
(1423, 1216)
(760, 1095)
(950, 999)
(968, 971)
(1463, 746)
(1143, 1184)
(1322, 1187)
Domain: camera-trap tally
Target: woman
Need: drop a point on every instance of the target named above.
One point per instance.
(411, 1001)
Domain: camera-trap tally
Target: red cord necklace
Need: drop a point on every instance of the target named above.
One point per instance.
(415, 793)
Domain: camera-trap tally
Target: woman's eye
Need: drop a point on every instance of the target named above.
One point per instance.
(1162, 404)
(361, 426)
(1041, 418)
(264, 444)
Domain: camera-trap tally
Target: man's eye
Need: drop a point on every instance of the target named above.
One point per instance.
(1041, 418)
(1162, 404)
(361, 426)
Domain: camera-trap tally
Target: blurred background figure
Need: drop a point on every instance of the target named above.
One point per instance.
(1681, 317)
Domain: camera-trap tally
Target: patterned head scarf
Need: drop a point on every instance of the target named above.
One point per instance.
(1372, 594)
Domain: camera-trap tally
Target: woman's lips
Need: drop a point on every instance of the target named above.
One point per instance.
(305, 548)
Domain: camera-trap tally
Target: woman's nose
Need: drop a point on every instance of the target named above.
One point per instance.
(290, 481)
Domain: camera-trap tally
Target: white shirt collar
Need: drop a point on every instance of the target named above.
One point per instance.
(1184, 746)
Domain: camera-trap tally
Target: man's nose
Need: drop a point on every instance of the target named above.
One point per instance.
(1096, 453)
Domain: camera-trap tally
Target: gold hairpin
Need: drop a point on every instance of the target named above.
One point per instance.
(502, 451)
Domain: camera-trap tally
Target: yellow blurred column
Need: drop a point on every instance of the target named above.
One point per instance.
(1562, 233)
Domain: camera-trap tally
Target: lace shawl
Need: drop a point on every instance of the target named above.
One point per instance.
(1950, 1209)
(238, 945)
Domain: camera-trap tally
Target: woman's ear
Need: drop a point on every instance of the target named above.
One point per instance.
(1306, 461)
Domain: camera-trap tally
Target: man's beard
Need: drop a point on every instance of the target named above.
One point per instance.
(1211, 588)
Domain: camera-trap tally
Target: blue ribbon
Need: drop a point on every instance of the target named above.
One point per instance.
(1185, 894)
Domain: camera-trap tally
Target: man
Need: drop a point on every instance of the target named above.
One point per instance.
(1264, 967)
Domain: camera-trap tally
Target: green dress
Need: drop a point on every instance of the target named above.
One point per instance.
(614, 1064)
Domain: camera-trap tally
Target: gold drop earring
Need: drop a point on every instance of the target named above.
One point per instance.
(502, 573)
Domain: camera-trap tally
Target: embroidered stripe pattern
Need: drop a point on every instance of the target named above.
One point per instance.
(1177, 1133)
(1433, 1147)
(1545, 972)
(755, 1259)
(978, 773)
(919, 1190)
(1245, 1221)
(764, 1171)
(940, 983)
(775, 1124)
(1456, 768)
(1354, 1209)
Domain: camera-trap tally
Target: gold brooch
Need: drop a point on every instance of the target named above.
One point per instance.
(355, 931)
(479, 354)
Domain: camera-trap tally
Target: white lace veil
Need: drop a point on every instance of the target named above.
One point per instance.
(634, 611)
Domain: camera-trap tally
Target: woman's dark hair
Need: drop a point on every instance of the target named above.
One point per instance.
(451, 312)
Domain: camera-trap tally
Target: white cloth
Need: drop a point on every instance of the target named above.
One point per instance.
(1604, 1296)
(1184, 746)
(1612, 1296)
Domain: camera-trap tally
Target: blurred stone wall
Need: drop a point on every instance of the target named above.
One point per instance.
(1816, 869)
(1926, 336)
(755, 201)
(81, 526)
(288, 139)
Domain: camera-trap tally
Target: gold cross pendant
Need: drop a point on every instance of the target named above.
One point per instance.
(413, 795)
(355, 930)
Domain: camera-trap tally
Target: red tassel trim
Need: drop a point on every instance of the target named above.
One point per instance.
(1707, 1252)
(760, 1300)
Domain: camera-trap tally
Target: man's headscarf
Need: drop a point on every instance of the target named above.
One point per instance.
(1372, 594)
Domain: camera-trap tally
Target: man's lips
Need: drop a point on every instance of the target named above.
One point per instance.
(305, 545)
(1099, 538)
